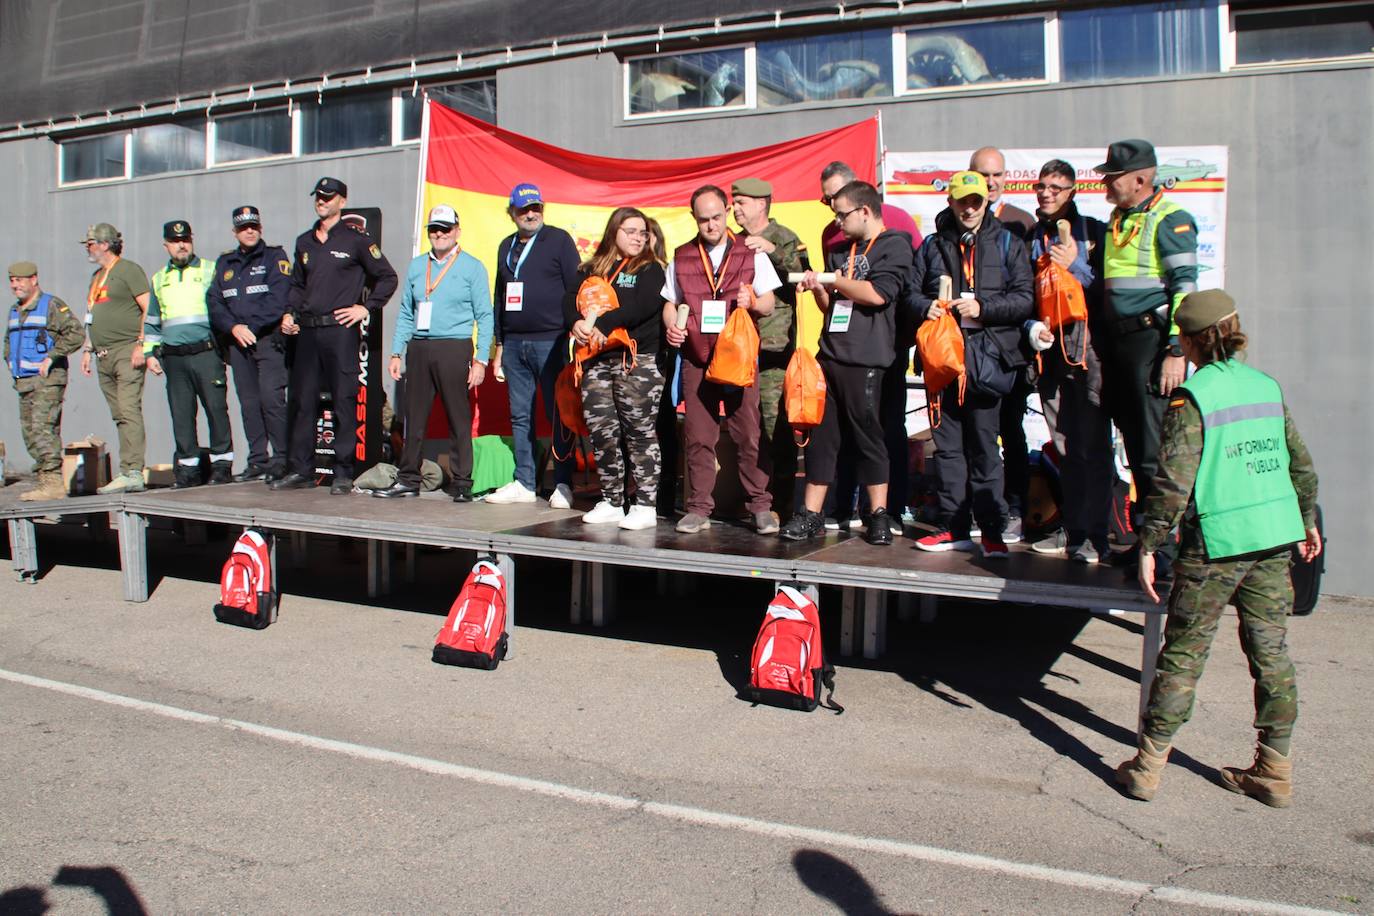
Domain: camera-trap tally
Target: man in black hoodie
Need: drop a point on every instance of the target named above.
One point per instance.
(993, 295)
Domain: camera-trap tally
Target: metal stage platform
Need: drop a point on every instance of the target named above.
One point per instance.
(866, 575)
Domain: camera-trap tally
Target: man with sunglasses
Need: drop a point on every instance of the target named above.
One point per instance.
(536, 266)
(334, 264)
(444, 297)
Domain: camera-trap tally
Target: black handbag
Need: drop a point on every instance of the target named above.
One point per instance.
(989, 369)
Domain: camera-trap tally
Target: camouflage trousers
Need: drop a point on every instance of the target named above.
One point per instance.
(40, 418)
(620, 406)
(775, 440)
(1263, 594)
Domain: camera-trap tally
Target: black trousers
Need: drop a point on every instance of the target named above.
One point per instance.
(260, 380)
(852, 420)
(1130, 388)
(969, 463)
(438, 366)
(326, 358)
(198, 377)
(892, 409)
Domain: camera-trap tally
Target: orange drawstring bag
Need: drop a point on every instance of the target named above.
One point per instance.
(567, 396)
(1059, 298)
(595, 297)
(736, 357)
(803, 389)
(941, 345)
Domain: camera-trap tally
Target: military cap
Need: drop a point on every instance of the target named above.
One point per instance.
(246, 216)
(23, 269)
(329, 187)
(101, 232)
(178, 230)
(1202, 309)
(752, 187)
(962, 184)
(1128, 156)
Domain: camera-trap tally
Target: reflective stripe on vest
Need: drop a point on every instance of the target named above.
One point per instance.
(26, 353)
(1244, 496)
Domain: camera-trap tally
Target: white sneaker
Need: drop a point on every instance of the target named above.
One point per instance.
(561, 497)
(638, 518)
(513, 492)
(603, 513)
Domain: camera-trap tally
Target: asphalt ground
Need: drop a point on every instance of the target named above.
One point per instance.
(153, 760)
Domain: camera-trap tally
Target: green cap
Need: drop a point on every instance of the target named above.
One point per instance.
(101, 232)
(751, 187)
(1202, 309)
(23, 269)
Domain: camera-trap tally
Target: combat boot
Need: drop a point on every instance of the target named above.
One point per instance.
(49, 487)
(1139, 776)
(1269, 779)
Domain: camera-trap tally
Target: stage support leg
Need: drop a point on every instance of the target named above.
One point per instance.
(1149, 655)
(300, 546)
(506, 563)
(930, 606)
(593, 593)
(849, 619)
(378, 568)
(875, 622)
(133, 554)
(24, 549)
(410, 564)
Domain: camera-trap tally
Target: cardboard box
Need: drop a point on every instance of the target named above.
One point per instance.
(159, 475)
(85, 466)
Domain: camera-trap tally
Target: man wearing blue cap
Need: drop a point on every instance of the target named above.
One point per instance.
(535, 269)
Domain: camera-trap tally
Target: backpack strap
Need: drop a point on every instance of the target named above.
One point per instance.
(828, 681)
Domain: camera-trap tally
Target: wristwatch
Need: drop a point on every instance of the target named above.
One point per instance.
(1175, 350)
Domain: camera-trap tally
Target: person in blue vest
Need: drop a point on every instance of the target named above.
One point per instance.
(1236, 476)
(248, 296)
(42, 333)
(177, 340)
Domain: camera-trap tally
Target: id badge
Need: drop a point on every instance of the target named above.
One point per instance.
(515, 296)
(712, 316)
(423, 312)
(90, 317)
(840, 313)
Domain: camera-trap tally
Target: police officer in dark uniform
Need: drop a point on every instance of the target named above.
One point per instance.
(334, 263)
(247, 298)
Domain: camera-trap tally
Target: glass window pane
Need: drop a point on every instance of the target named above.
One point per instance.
(253, 136)
(1153, 39)
(984, 52)
(1273, 35)
(346, 122)
(681, 82)
(474, 97)
(93, 157)
(822, 67)
(169, 148)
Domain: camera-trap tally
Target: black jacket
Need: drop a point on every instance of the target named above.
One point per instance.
(250, 288)
(333, 274)
(1002, 282)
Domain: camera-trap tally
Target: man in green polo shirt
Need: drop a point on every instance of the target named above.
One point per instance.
(115, 308)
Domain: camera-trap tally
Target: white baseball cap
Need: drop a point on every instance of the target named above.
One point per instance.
(443, 215)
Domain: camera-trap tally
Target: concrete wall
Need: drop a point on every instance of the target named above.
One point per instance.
(1299, 260)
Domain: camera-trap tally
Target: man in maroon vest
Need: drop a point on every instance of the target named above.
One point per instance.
(707, 276)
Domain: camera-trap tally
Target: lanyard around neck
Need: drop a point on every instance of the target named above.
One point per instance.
(715, 277)
(853, 247)
(98, 283)
(429, 264)
(524, 253)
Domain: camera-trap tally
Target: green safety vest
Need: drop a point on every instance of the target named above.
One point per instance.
(184, 314)
(1136, 265)
(1244, 497)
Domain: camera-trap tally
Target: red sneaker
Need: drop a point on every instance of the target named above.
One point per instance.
(942, 540)
(994, 548)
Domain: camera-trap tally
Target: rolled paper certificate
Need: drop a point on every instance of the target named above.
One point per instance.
(1064, 229)
(683, 311)
(946, 292)
(826, 278)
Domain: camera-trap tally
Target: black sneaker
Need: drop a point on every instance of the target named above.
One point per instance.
(341, 485)
(220, 473)
(462, 495)
(879, 529)
(803, 525)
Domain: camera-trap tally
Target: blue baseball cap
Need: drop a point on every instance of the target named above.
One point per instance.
(523, 195)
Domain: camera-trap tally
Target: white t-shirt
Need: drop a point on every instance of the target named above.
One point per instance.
(765, 277)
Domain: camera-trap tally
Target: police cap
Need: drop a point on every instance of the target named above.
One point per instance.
(1128, 156)
(178, 230)
(329, 187)
(246, 215)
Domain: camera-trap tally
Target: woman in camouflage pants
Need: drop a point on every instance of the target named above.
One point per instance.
(621, 388)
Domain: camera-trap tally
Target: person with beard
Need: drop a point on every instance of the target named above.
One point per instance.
(178, 340)
(991, 278)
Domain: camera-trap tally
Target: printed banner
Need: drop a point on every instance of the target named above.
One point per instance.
(1194, 177)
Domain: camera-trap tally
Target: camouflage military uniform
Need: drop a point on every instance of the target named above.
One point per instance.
(1259, 585)
(40, 398)
(620, 406)
(777, 340)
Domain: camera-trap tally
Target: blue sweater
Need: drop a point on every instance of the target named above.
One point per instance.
(460, 301)
(548, 272)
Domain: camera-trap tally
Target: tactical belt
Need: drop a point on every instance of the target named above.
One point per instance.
(190, 349)
(1154, 320)
(317, 321)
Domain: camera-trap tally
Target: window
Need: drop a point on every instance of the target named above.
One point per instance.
(93, 158)
(168, 148)
(1153, 39)
(976, 54)
(684, 82)
(346, 122)
(476, 98)
(823, 67)
(253, 136)
(1303, 33)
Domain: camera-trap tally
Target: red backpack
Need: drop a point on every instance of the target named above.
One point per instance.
(788, 667)
(474, 635)
(248, 594)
